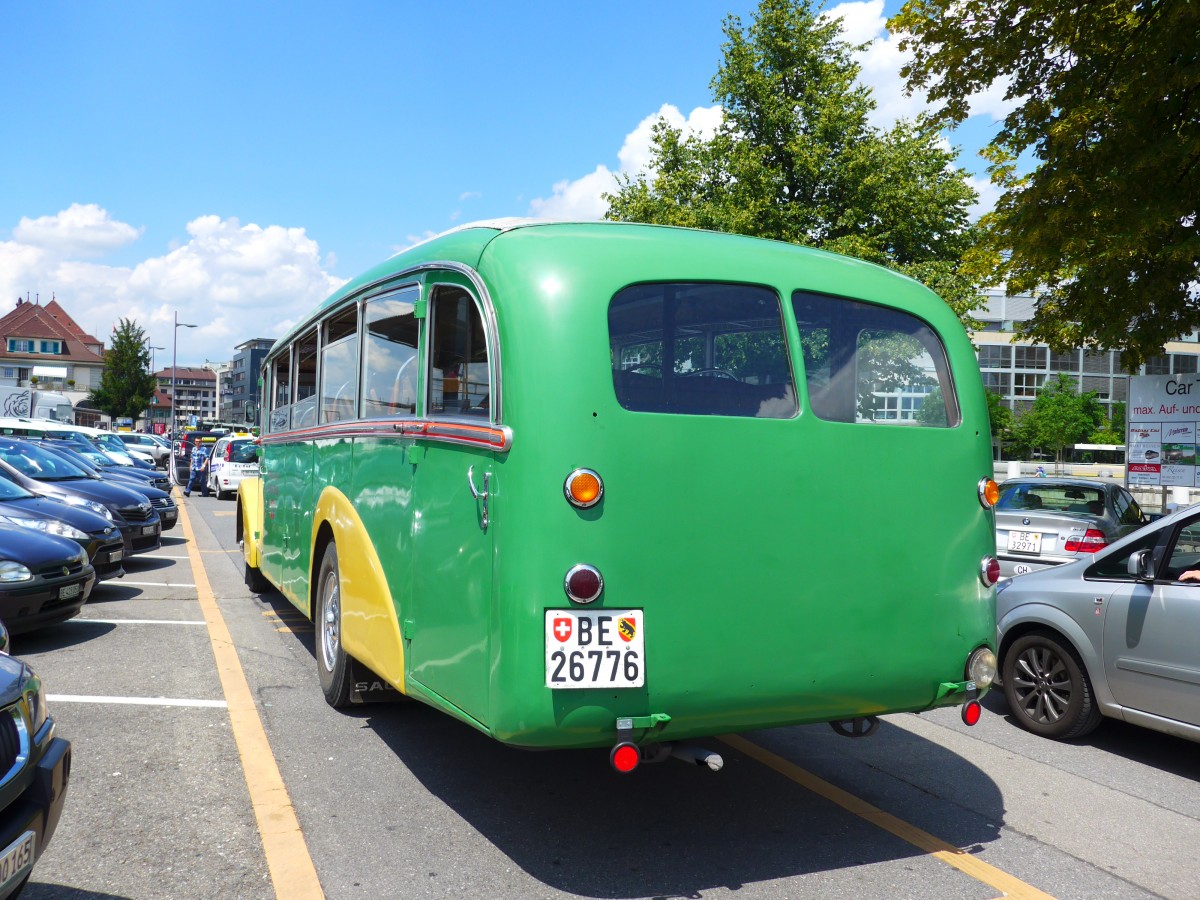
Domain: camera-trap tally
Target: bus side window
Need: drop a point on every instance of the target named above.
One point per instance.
(279, 418)
(459, 380)
(390, 355)
(339, 366)
(304, 413)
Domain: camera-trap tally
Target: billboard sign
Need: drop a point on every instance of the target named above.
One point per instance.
(1163, 421)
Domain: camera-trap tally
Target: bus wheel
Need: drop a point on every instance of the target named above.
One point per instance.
(333, 667)
(255, 580)
(1047, 688)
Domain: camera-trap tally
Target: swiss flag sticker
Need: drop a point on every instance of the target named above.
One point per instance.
(562, 628)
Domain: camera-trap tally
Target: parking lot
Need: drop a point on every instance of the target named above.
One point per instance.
(186, 697)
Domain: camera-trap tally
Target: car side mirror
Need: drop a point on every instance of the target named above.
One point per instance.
(1141, 566)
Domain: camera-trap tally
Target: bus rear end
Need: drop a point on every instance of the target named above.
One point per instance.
(745, 490)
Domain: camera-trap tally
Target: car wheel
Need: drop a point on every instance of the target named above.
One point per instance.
(1047, 688)
(333, 666)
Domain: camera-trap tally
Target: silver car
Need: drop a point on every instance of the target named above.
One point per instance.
(1044, 522)
(1114, 634)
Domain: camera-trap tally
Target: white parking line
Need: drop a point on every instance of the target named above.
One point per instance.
(156, 583)
(89, 621)
(135, 701)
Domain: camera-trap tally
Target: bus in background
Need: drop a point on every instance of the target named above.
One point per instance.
(627, 486)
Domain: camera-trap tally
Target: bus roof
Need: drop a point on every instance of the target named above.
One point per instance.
(465, 245)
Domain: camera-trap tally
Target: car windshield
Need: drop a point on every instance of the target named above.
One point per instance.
(9, 490)
(1051, 497)
(75, 454)
(40, 464)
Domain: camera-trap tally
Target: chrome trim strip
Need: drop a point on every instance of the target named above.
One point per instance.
(498, 438)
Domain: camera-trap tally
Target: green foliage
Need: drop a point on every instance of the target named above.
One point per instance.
(1000, 417)
(796, 160)
(1105, 227)
(1059, 417)
(125, 386)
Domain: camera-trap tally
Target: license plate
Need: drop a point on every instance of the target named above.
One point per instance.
(1025, 541)
(16, 859)
(595, 649)
(150, 529)
(67, 591)
(115, 555)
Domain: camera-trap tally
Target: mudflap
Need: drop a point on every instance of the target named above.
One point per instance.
(369, 687)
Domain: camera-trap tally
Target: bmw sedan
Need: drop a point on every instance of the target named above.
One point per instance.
(1043, 522)
(1110, 634)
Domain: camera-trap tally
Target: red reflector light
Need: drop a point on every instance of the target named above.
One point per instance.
(971, 712)
(989, 571)
(1089, 543)
(625, 757)
(583, 583)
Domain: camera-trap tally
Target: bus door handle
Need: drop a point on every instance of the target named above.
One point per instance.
(482, 496)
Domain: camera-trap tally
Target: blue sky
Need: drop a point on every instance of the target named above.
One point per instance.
(235, 162)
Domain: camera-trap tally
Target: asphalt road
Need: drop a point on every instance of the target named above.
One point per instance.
(400, 801)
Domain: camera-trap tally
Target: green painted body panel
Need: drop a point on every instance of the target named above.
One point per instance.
(791, 570)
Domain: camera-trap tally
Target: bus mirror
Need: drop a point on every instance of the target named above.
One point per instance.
(1140, 566)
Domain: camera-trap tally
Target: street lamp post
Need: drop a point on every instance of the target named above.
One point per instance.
(174, 349)
(152, 348)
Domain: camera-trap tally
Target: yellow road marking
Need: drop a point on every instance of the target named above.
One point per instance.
(922, 840)
(292, 871)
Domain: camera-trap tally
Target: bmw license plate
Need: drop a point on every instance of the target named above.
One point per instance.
(1025, 541)
(67, 591)
(595, 649)
(15, 860)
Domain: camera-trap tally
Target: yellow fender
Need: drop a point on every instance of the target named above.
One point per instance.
(250, 504)
(370, 627)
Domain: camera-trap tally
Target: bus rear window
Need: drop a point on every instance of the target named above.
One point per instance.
(872, 364)
(700, 349)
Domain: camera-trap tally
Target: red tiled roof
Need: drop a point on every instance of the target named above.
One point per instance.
(50, 322)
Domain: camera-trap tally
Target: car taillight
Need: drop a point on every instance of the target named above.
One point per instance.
(228, 451)
(1092, 541)
(989, 570)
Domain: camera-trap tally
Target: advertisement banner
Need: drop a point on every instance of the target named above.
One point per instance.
(1163, 418)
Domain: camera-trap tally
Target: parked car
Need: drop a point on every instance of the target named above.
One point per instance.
(44, 579)
(1043, 522)
(35, 770)
(93, 532)
(234, 457)
(145, 443)
(1113, 634)
(51, 475)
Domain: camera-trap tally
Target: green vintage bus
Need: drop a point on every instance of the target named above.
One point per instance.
(612, 485)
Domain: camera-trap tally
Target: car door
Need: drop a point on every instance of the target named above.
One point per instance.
(1151, 655)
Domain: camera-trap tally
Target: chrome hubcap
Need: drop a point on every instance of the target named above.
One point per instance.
(330, 621)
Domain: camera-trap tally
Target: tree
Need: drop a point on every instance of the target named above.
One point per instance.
(125, 386)
(1000, 417)
(1104, 229)
(1060, 416)
(795, 159)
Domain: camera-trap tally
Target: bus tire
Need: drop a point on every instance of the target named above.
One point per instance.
(255, 580)
(333, 666)
(1047, 688)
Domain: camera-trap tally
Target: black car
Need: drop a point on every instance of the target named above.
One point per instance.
(51, 475)
(152, 483)
(43, 579)
(92, 531)
(35, 769)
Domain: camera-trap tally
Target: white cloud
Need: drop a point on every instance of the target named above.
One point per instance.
(581, 199)
(79, 230)
(233, 281)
